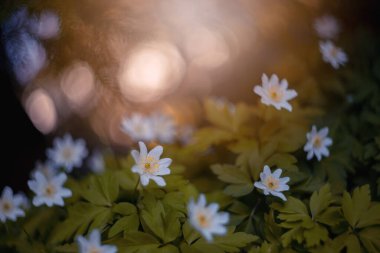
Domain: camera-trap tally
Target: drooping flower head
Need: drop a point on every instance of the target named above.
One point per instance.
(67, 153)
(271, 183)
(49, 191)
(206, 219)
(10, 205)
(93, 244)
(327, 27)
(317, 143)
(332, 54)
(275, 93)
(138, 127)
(149, 165)
(164, 127)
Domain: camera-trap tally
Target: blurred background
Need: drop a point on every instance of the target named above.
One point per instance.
(82, 66)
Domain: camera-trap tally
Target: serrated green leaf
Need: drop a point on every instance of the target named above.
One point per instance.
(101, 189)
(354, 207)
(189, 233)
(127, 223)
(320, 200)
(370, 217)
(137, 242)
(231, 174)
(370, 239)
(81, 216)
(316, 235)
(238, 190)
(124, 208)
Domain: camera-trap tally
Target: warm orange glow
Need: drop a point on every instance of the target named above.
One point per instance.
(41, 111)
(78, 85)
(206, 48)
(151, 71)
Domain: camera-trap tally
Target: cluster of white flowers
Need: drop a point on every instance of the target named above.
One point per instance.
(155, 127)
(328, 28)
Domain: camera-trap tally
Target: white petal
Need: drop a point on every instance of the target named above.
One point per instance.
(310, 155)
(201, 200)
(267, 171)
(137, 169)
(60, 179)
(284, 180)
(143, 149)
(259, 91)
(94, 237)
(64, 192)
(278, 194)
(144, 180)
(223, 217)
(287, 106)
(324, 132)
(277, 173)
(159, 180)
(156, 152)
(213, 208)
(260, 185)
(136, 155)
(162, 172)
(327, 142)
(165, 162)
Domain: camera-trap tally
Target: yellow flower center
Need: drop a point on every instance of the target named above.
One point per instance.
(272, 183)
(94, 250)
(7, 206)
(50, 190)
(275, 94)
(67, 153)
(317, 142)
(202, 220)
(150, 165)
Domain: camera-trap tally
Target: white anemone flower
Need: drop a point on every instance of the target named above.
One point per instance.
(317, 143)
(271, 183)
(332, 54)
(138, 127)
(275, 93)
(164, 127)
(149, 165)
(327, 27)
(206, 219)
(10, 205)
(67, 153)
(49, 191)
(93, 244)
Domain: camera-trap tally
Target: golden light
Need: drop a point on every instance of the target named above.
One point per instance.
(41, 111)
(151, 71)
(78, 85)
(206, 48)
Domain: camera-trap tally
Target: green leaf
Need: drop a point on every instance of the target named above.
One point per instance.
(370, 237)
(354, 207)
(238, 190)
(231, 174)
(314, 236)
(320, 200)
(124, 208)
(81, 216)
(137, 242)
(370, 217)
(189, 234)
(127, 223)
(102, 189)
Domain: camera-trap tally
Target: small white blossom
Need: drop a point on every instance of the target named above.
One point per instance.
(93, 244)
(96, 162)
(272, 183)
(164, 127)
(206, 219)
(10, 205)
(47, 168)
(149, 165)
(327, 27)
(317, 143)
(49, 191)
(67, 153)
(275, 93)
(332, 54)
(138, 127)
